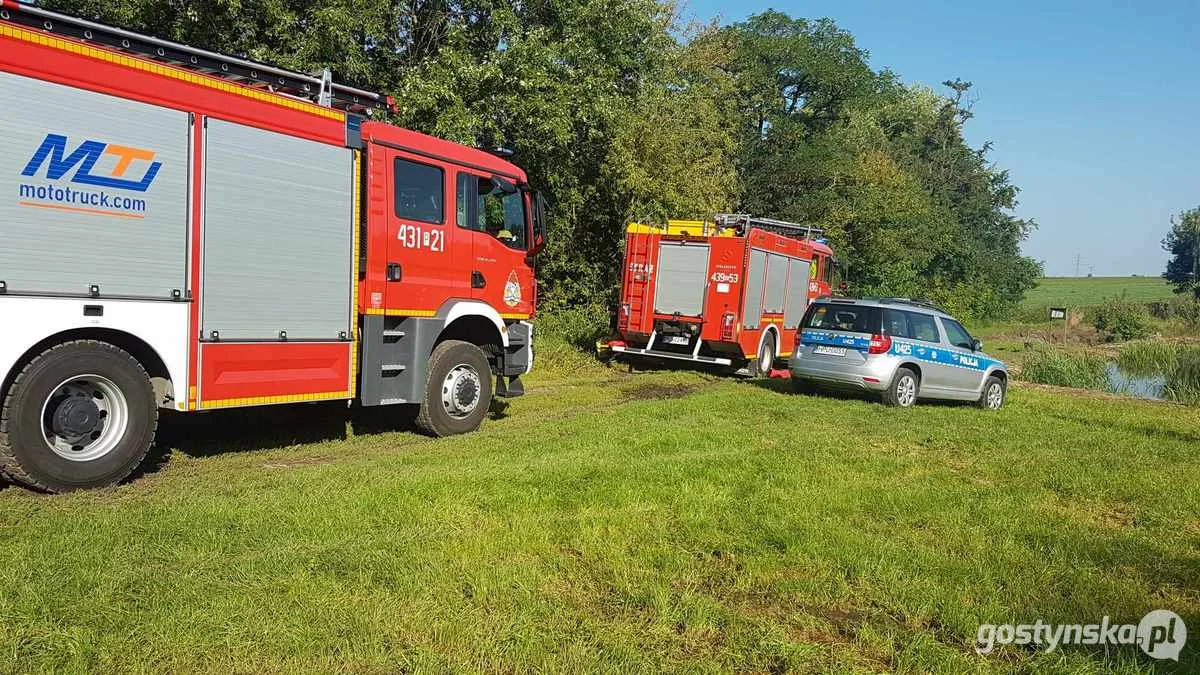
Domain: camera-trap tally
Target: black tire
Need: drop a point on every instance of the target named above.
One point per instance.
(436, 417)
(898, 393)
(26, 454)
(802, 386)
(766, 355)
(985, 397)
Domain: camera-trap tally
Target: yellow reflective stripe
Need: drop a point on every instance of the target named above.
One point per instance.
(356, 226)
(167, 71)
(266, 400)
(694, 228)
(514, 316)
(379, 311)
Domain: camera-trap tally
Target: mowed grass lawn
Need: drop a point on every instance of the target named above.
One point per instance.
(646, 522)
(1088, 291)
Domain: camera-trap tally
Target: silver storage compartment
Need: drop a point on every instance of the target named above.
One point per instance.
(682, 279)
(93, 191)
(797, 294)
(752, 314)
(278, 235)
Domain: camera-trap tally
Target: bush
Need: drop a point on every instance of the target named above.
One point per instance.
(1146, 359)
(1186, 308)
(1183, 383)
(1121, 319)
(579, 327)
(1080, 370)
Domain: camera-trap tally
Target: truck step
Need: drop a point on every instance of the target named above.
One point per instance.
(392, 401)
(393, 333)
(393, 368)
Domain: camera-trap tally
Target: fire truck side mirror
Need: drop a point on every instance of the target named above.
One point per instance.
(539, 223)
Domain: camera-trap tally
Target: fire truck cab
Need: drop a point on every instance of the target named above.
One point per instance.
(190, 231)
(730, 292)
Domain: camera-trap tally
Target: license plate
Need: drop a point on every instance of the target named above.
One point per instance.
(830, 351)
(676, 340)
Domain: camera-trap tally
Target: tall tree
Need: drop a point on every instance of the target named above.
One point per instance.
(1183, 243)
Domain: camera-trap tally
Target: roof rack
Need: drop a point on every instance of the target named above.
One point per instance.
(742, 222)
(919, 302)
(319, 88)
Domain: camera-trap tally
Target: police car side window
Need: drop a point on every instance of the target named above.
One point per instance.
(959, 337)
(895, 323)
(922, 327)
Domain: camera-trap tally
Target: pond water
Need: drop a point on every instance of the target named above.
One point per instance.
(1141, 386)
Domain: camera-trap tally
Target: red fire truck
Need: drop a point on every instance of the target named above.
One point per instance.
(730, 292)
(189, 231)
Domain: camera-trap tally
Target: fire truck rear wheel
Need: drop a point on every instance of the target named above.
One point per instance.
(766, 356)
(458, 392)
(80, 415)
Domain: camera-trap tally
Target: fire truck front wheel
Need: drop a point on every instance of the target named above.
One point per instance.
(458, 392)
(80, 415)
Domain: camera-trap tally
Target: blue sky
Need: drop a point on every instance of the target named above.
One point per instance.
(1094, 108)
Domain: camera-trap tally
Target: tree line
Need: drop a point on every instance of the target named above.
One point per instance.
(620, 110)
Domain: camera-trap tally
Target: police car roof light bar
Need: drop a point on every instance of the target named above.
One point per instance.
(318, 88)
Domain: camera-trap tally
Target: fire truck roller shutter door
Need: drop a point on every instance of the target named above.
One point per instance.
(278, 236)
(797, 293)
(777, 269)
(755, 278)
(682, 278)
(93, 191)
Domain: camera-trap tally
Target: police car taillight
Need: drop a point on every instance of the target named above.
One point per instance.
(880, 344)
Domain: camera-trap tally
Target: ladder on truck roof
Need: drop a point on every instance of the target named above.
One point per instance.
(319, 88)
(742, 222)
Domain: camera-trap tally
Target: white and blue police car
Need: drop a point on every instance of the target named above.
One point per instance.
(900, 348)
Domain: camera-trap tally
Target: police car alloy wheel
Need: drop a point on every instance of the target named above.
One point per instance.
(993, 395)
(903, 391)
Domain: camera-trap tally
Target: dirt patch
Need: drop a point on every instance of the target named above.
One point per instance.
(652, 391)
(1113, 516)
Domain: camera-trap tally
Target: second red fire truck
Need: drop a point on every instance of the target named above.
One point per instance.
(189, 231)
(730, 292)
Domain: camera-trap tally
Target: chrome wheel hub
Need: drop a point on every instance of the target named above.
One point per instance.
(995, 395)
(906, 391)
(84, 418)
(461, 391)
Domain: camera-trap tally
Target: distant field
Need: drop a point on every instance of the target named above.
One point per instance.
(1082, 291)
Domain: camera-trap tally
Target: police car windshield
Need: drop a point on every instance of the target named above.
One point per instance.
(844, 318)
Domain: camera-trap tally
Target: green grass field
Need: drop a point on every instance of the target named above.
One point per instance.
(614, 522)
(1087, 291)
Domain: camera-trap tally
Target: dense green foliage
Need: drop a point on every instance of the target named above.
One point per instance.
(1183, 243)
(1121, 319)
(619, 112)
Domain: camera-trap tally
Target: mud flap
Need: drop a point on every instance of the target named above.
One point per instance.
(512, 389)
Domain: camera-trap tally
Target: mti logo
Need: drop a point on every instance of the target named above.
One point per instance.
(53, 153)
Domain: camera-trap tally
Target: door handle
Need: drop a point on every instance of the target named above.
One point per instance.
(477, 280)
(393, 271)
